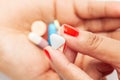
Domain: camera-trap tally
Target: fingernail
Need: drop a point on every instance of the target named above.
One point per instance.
(47, 54)
(70, 30)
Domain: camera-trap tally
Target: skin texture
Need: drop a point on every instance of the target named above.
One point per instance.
(21, 60)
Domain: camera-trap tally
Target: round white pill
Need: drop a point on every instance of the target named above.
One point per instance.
(39, 27)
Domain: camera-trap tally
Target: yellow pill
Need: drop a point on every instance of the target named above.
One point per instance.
(39, 27)
(57, 24)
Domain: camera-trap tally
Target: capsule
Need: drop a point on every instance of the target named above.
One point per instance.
(51, 30)
(36, 39)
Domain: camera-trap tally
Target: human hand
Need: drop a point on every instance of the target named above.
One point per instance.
(15, 26)
(87, 43)
(19, 58)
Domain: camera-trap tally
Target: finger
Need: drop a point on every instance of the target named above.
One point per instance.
(62, 8)
(70, 54)
(64, 68)
(114, 35)
(77, 10)
(103, 48)
(96, 8)
(79, 60)
(94, 66)
(102, 25)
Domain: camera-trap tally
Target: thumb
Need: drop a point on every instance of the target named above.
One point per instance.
(63, 67)
(102, 48)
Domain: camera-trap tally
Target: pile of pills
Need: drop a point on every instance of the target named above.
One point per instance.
(39, 28)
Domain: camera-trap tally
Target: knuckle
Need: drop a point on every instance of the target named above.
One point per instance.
(93, 41)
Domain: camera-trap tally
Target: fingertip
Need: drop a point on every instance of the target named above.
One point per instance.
(47, 53)
(55, 55)
(48, 47)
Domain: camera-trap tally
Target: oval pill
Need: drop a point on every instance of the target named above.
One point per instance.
(39, 27)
